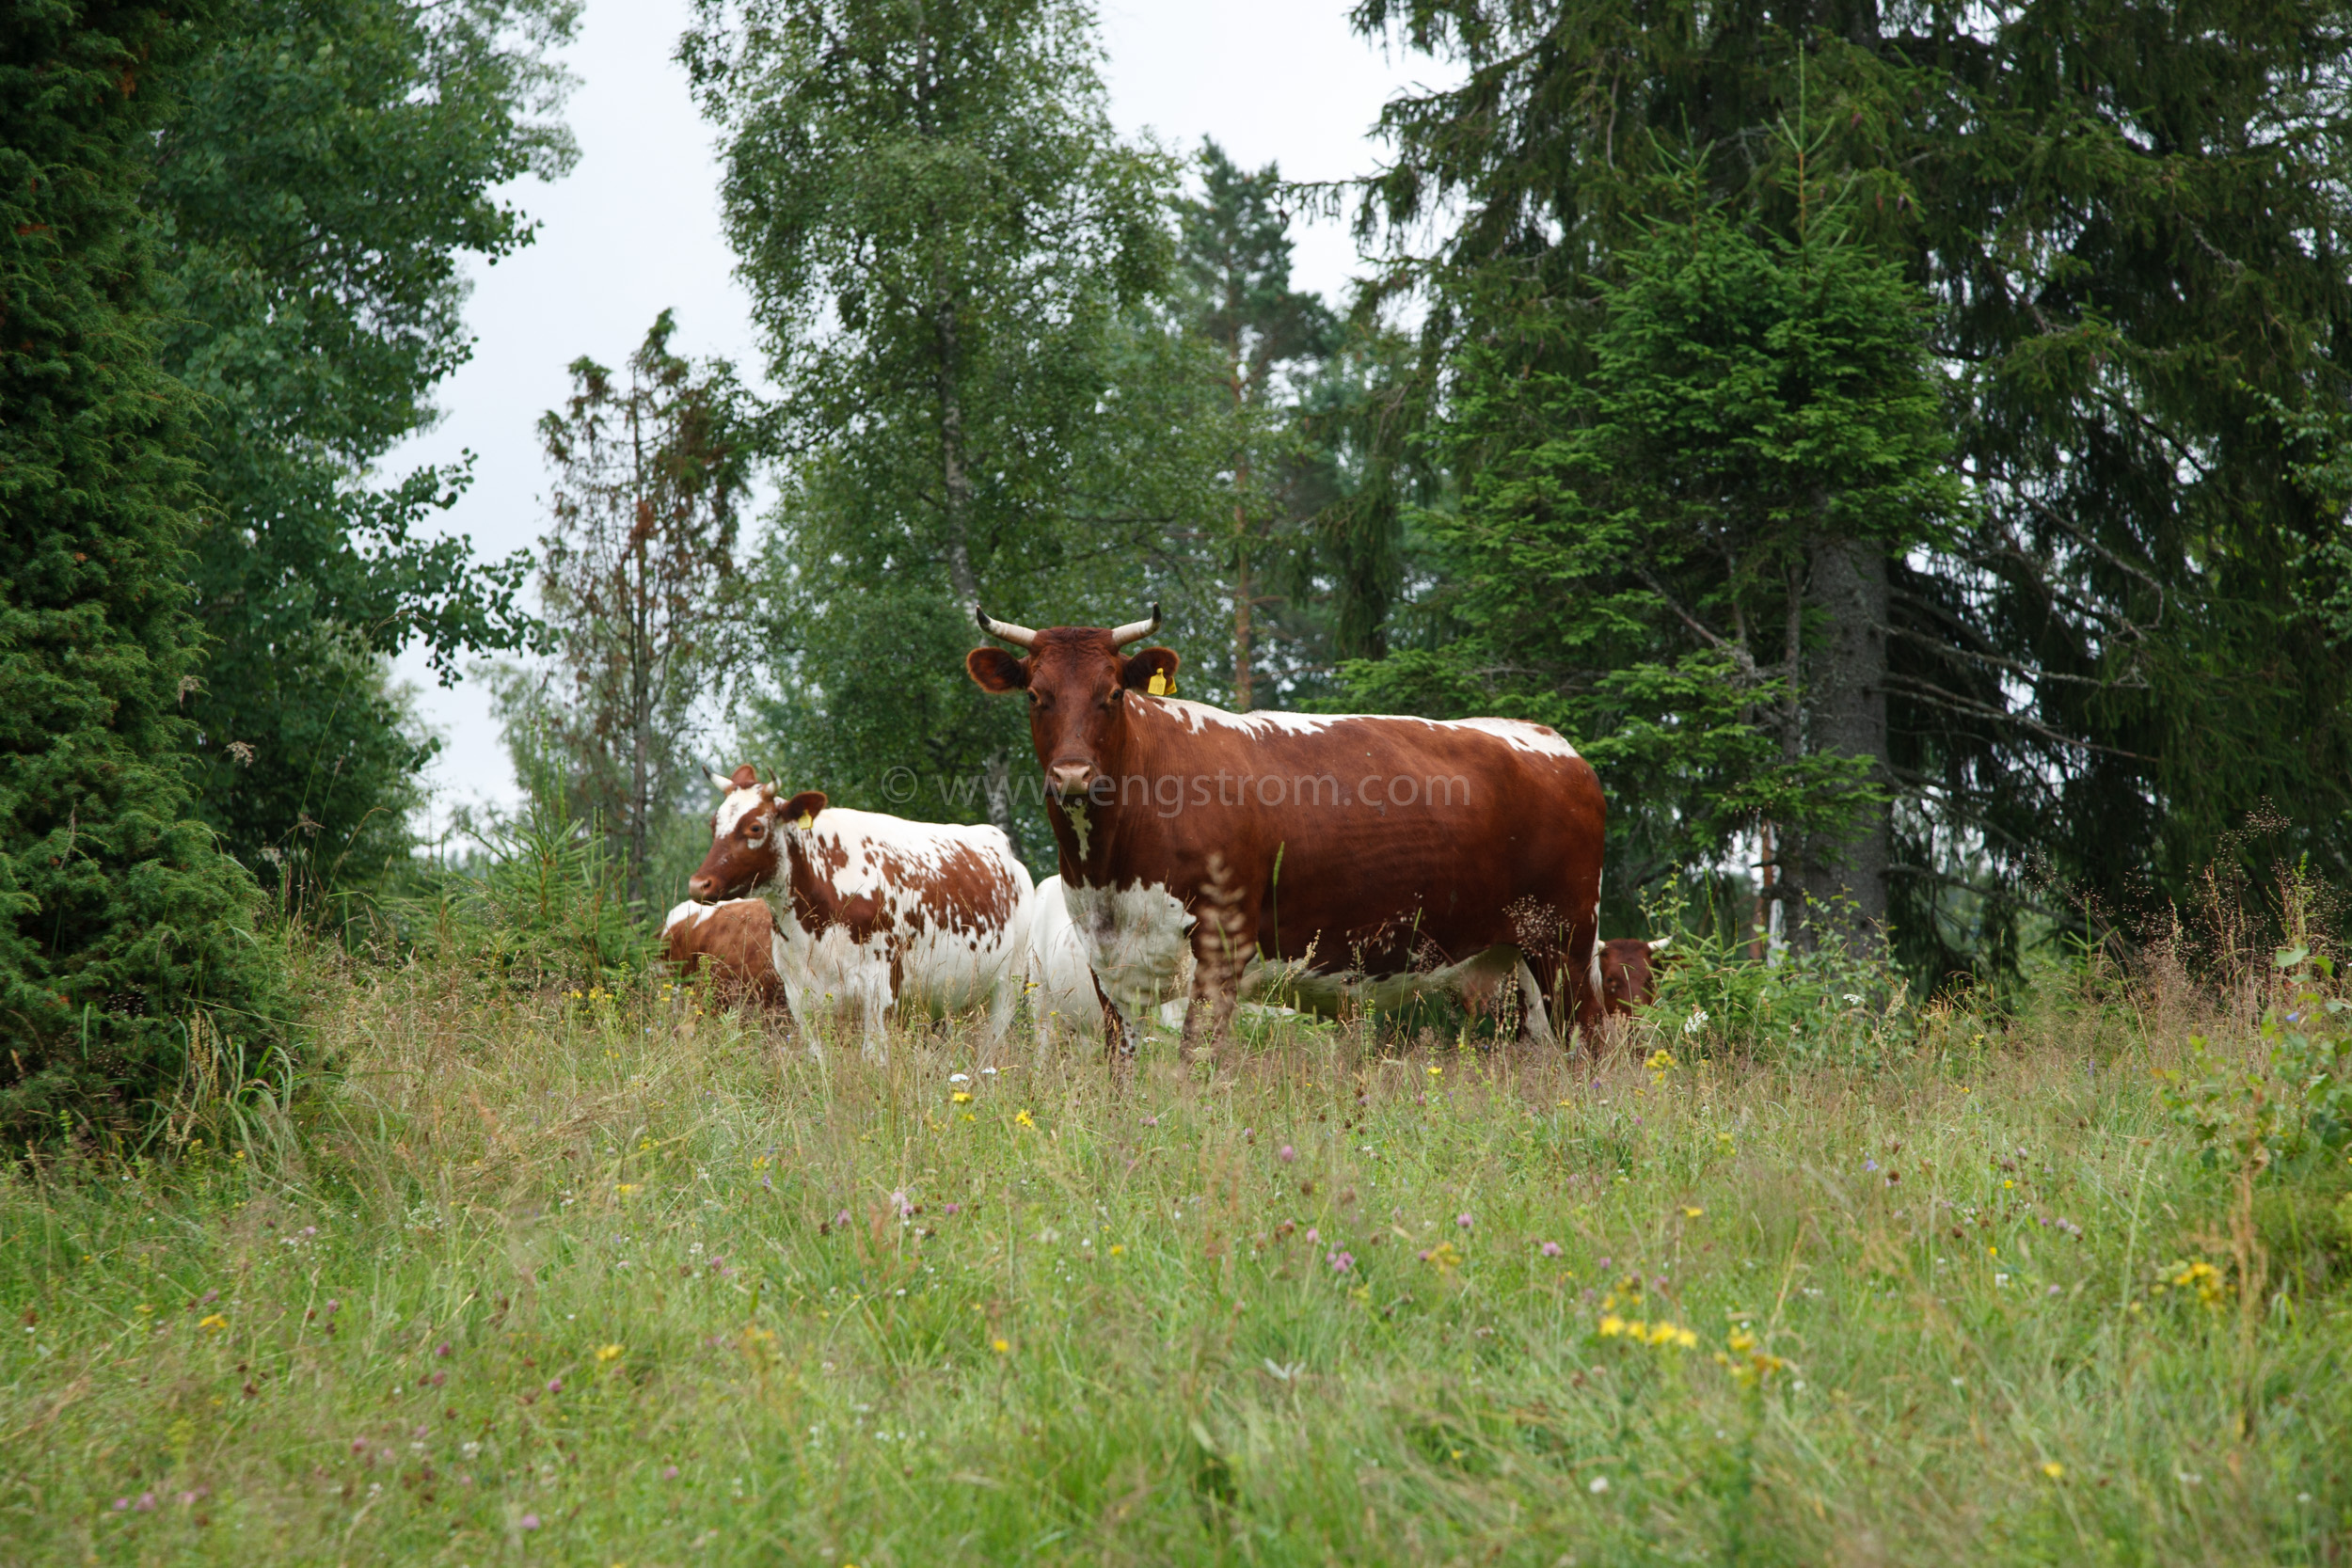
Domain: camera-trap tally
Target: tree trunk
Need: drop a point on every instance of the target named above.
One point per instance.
(1845, 873)
(955, 486)
(1241, 616)
(1788, 850)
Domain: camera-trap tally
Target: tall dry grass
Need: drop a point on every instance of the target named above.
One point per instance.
(617, 1278)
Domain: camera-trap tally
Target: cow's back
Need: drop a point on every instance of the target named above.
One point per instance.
(1383, 844)
(735, 939)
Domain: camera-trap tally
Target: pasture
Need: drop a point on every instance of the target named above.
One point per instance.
(621, 1278)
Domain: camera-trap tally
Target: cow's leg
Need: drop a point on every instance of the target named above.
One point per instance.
(1119, 1040)
(1004, 1000)
(1536, 1019)
(1224, 940)
(1583, 966)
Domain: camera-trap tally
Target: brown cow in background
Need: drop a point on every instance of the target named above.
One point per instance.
(1629, 973)
(738, 938)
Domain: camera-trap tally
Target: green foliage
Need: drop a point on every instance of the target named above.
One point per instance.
(1825, 1004)
(327, 170)
(2286, 1106)
(956, 263)
(2094, 680)
(122, 925)
(1645, 486)
(637, 577)
(541, 903)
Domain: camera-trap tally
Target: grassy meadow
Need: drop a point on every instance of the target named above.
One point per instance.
(625, 1278)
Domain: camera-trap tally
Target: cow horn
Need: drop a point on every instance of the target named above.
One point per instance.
(725, 784)
(1019, 636)
(1134, 630)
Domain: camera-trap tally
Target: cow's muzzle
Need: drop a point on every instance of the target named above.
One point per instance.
(1069, 779)
(702, 888)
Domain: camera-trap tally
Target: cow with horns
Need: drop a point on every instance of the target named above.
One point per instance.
(873, 911)
(1362, 857)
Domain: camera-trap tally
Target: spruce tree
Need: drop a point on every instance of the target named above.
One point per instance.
(124, 933)
(2130, 223)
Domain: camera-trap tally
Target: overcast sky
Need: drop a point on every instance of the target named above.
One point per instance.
(635, 229)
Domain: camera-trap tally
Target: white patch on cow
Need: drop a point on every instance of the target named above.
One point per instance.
(1136, 939)
(738, 804)
(1518, 733)
(1062, 1000)
(944, 967)
(1522, 735)
(1081, 824)
(1199, 716)
(687, 914)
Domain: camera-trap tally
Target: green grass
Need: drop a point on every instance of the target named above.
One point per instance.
(571, 1281)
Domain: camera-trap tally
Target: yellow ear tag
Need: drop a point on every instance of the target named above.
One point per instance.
(803, 823)
(1160, 685)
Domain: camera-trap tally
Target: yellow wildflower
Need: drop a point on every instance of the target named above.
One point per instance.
(1435, 1071)
(625, 1188)
(1001, 1346)
(1117, 1249)
(1610, 1326)
(215, 1322)
(1690, 1214)
(1022, 1120)
(2055, 1470)
(962, 1097)
(609, 1353)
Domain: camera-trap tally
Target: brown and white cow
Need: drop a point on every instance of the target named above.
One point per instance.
(873, 911)
(1628, 977)
(1371, 857)
(735, 939)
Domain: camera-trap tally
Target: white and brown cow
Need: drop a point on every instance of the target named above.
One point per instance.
(873, 911)
(735, 938)
(1370, 856)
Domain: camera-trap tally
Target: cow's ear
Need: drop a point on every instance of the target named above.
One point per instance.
(995, 670)
(746, 776)
(1153, 670)
(802, 808)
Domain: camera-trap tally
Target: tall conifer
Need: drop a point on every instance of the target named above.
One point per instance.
(124, 932)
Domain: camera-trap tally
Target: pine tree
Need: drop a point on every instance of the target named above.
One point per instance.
(1234, 259)
(2131, 230)
(637, 577)
(123, 927)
